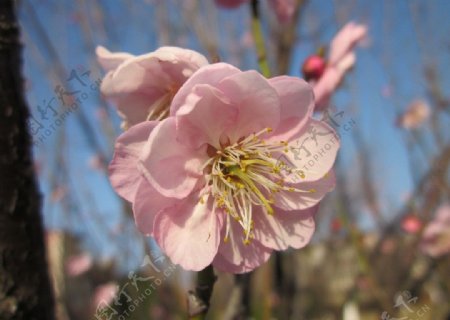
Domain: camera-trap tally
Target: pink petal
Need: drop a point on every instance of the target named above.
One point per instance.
(326, 86)
(142, 74)
(189, 232)
(345, 40)
(171, 168)
(141, 83)
(204, 117)
(210, 74)
(160, 69)
(236, 257)
(79, 264)
(147, 204)
(285, 228)
(104, 294)
(109, 60)
(123, 171)
(313, 192)
(181, 63)
(297, 105)
(257, 102)
(135, 107)
(313, 151)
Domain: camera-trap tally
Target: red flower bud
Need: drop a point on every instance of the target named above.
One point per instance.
(313, 67)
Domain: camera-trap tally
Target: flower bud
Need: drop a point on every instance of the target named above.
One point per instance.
(313, 67)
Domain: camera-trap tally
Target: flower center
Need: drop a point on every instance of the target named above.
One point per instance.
(243, 175)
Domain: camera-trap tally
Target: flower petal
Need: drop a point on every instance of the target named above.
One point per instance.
(147, 204)
(284, 229)
(311, 152)
(204, 117)
(313, 192)
(297, 105)
(345, 40)
(124, 174)
(211, 74)
(237, 257)
(109, 60)
(189, 232)
(172, 168)
(257, 102)
(149, 81)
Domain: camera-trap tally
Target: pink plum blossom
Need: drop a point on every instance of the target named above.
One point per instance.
(236, 171)
(341, 58)
(104, 294)
(284, 9)
(230, 4)
(79, 264)
(415, 115)
(436, 236)
(142, 87)
(411, 224)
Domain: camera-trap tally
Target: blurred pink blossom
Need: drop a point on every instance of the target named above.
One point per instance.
(142, 87)
(411, 224)
(436, 236)
(230, 4)
(104, 294)
(284, 9)
(217, 182)
(415, 115)
(79, 264)
(341, 58)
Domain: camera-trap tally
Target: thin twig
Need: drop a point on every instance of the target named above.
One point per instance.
(259, 39)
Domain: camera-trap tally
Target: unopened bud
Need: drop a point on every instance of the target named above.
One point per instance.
(313, 68)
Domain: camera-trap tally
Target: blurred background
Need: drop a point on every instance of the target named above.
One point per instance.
(381, 249)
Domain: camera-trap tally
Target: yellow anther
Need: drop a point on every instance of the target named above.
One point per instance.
(312, 190)
(246, 242)
(269, 129)
(225, 240)
(291, 189)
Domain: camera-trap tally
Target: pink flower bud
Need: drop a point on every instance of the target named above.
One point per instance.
(313, 68)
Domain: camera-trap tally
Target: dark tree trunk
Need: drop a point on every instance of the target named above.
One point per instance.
(24, 283)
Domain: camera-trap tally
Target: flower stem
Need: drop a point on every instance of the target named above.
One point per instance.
(198, 300)
(258, 37)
